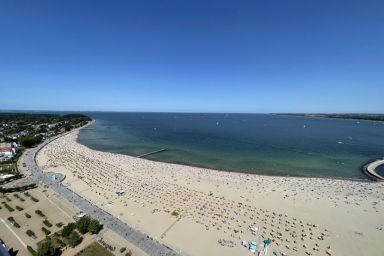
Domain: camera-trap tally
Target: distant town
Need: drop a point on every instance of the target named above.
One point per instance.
(35, 216)
(21, 130)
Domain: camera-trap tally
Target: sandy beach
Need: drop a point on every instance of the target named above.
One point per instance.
(218, 210)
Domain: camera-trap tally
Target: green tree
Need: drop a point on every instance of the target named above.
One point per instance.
(74, 239)
(30, 141)
(82, 224)
(94, 226)
(67, 230)
(67, 127)
(46, 248)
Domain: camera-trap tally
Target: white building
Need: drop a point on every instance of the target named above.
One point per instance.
(7, 152)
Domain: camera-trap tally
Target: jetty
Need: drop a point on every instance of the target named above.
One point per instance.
(96, 139)
(370, 169)
(151, 153)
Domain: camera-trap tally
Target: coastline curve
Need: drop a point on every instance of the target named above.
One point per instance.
(138, 238)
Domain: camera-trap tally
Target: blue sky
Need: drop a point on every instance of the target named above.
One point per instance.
(193, 56)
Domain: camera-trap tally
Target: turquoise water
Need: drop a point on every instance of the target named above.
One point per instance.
(254, 143)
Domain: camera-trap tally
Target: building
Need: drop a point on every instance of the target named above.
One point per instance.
(7, 152)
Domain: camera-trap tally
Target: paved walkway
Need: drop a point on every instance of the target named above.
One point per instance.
(136, 237)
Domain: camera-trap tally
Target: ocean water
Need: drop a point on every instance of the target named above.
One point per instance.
(251, 143)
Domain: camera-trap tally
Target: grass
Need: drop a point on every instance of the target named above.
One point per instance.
(94, 249)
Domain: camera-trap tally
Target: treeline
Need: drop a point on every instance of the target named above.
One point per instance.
(17, 189)
(9, 179)
(371, 117)
(31, 140)
(28, 117)
(24, 120)
(28, 128)
(40, 118)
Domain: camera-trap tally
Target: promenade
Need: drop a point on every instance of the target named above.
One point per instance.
(136, 237)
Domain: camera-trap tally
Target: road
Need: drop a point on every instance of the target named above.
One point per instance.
(136, 237)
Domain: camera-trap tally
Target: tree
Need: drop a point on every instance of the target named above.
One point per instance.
(46, 248)
(82, 224)
(67, 230)
(74, 239)
(94, 226)
(67, 127)
(30, 141)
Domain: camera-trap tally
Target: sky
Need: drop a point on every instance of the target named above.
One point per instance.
(257, 56)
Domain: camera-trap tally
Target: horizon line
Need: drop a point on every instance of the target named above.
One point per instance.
(185, 112)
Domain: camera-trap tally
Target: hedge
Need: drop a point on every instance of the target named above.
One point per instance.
(46, 231)
(30, 249)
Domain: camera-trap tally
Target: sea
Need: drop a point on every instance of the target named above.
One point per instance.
(266, 144)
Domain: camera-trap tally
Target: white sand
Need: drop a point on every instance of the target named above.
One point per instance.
(303, 216)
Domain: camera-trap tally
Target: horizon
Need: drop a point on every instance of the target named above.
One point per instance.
(198, 56)
(180, 112)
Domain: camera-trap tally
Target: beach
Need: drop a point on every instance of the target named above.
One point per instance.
(199, 211)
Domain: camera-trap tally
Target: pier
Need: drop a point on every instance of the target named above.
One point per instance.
(370, 169)
(151, 153)
(96, 139)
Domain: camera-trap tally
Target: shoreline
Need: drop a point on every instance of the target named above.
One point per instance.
(154, 189)
(367, 177)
